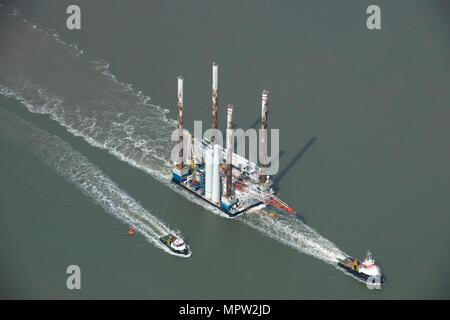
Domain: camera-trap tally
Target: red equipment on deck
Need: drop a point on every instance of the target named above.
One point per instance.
(278, 204)
(266, 197)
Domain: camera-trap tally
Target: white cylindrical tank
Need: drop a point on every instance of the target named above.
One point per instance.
(208, 173)
(216, 174)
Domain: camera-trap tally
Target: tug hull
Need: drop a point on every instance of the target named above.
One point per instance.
(167, 241)
(349, 264)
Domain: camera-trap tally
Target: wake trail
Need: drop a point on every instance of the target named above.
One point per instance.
(91, 103)
(294, 234)
(91, 181)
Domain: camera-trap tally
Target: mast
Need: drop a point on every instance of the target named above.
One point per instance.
(263, 138)
(215, 101)
(180, 122)
(229, 158)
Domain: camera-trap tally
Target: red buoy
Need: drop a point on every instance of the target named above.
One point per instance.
(131, 231)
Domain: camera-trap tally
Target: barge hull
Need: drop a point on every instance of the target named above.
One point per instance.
(230, 214)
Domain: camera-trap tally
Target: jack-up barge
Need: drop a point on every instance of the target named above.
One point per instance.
(219, 176)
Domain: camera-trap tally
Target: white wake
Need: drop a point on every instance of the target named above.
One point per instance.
(116, 117)
(89, 179)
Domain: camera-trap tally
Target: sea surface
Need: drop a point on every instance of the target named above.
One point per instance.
(85, 123)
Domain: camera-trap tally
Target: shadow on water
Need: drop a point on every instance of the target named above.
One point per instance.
(251, 126)
(297, 157)
(255, 123)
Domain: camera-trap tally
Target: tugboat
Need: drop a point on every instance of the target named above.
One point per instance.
(176, 244)
(366, 271)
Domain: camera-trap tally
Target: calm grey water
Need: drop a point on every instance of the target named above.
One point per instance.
(84, 139)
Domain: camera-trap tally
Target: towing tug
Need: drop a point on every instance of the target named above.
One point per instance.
(219, 176)
(366, 271)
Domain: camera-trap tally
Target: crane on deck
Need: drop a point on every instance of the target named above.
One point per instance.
(264, 196)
